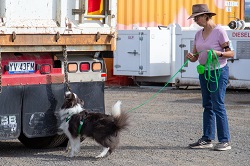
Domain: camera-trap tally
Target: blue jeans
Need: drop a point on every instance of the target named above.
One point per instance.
(214, 108)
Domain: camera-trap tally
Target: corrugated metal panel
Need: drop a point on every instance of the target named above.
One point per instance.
(146, 13)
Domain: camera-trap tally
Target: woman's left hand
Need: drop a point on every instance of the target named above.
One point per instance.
(214, 54)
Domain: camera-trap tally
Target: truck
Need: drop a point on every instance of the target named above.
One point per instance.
(46, 48)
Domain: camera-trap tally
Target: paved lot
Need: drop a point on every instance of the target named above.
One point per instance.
(159, 133)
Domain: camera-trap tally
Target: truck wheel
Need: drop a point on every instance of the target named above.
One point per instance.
(58, 140)
(42, 142)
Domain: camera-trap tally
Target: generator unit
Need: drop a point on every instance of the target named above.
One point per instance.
(143, 52)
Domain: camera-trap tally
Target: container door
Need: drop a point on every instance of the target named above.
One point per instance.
(189, 70)
(130, 56)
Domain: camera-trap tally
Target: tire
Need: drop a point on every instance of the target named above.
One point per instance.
(42, 142)
(58, 140)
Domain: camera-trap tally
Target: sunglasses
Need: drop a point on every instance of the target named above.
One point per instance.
(197, 17)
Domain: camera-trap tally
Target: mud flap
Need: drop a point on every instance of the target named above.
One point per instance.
(39, 105)
(10, 112)
(41, 101)
(92, 93)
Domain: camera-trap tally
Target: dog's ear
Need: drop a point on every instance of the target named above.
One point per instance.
(80, 101)
(69, 96)
(72, 96)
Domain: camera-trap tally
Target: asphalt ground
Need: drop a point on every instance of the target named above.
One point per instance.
(162, 125)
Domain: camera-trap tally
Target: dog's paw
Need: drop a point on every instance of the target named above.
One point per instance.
(99, 156)
(103, 154)
(77, 150)
(71, 155)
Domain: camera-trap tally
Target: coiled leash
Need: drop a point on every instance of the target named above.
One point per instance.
(212, 61)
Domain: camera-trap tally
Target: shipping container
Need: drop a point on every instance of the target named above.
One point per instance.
(151, 13)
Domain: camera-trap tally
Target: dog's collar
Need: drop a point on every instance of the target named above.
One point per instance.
(80, 127)
(68, 118)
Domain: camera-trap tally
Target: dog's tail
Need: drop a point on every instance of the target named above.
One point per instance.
(121, 118)
(116, 109)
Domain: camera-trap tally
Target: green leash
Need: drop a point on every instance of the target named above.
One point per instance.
(152, 97)
(212, 62)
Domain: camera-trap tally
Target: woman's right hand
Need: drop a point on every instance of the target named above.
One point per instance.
(192, 57)
(189, 55)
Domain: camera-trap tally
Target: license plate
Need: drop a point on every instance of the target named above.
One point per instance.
(21, 67)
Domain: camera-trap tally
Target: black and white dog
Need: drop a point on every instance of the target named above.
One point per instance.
(78, 123)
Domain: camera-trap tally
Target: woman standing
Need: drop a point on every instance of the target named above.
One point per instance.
(212, 37)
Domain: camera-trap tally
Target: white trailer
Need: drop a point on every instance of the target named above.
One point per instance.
(179, 42)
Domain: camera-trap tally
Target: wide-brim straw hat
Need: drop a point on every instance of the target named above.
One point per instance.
(199, 9)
